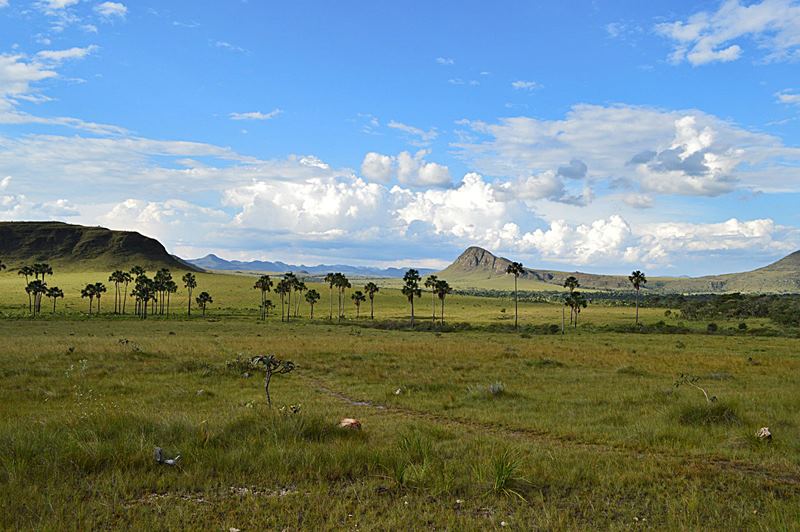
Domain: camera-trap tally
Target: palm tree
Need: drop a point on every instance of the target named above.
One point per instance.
(299, 287)
(264, 284)
(430, 283)
(144, 292)
(204, 299)
(27, 271)
(36, 288)
(571, 283)
(42, 268)
(638, 280)
(575, 301)
(330, 278)
(342, 284)
(371, 289)
(89, 291)
(291, 283)
(516, 269)
(358, 297)
(282, 288)
(117, 278)
(442, 289)
(170, 287)
(54, 293)
(312, 296)
(190, 283)
(99, 289)
(126, 278)
(411, 289)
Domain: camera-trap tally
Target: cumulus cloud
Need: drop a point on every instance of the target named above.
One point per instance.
(409, 169)
(708, 37)
(445, 61)
(670, 152)
(377, 167)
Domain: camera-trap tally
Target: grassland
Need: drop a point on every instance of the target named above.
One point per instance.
(461, 430)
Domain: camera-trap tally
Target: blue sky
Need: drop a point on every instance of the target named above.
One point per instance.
(598, 136)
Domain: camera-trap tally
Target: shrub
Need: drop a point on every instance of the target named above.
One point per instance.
(630, 370)
(712, 327)
(716, 413)
(743, 326)
(544, 363)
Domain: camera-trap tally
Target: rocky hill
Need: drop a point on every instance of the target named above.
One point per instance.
(77, 247)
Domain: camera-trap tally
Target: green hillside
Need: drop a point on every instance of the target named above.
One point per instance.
(80, 248)
(479, 268)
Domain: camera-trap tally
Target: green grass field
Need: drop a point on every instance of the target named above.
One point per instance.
(475, 428)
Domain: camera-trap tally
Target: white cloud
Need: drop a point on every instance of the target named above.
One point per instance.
(445, 61)
(707, 37)
(638, 201)
(58, 56)
(256, 115)
(522, 85)
(421, 137)
(3, 3)
(5, 182)
(788, 97)
(111, 10)
(669, 152)
(58, 4)
(228, 46)
(409, 169)
(377, 167)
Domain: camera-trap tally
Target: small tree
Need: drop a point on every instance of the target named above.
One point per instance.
(272, 366)
(442, 289)
(99, 290)
(411, 289)
(190, 283)
(516, 269)
(312, 296)
(204, 299)
(54, 293)
(358, 297)
(638, 280)
(371, 289)
(89, 292)
(430, 284)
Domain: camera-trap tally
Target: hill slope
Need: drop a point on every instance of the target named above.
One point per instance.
(77, 247)
(479, 268)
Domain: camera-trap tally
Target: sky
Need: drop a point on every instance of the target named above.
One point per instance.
(599, 136)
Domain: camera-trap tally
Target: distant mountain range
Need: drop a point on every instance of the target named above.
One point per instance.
(479, 268)
(213, 262)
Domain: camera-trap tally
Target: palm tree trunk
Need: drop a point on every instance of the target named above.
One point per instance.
(442, 311)
(371, 307)
(330, 293)
(433, 301)
(124, 299)
(516, 306)
(637, 306)
(312, 311)
(190, 302)
(412, 311)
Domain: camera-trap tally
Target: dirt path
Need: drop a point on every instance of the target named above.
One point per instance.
(783, 476)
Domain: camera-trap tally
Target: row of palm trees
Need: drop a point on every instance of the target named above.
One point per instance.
(37, 288)
(573, 299)
(439, 288)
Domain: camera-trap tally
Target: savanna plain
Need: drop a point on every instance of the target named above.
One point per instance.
(470, 425)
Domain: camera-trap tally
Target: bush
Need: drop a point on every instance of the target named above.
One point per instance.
(544, 363)
(712, 327)
(716, 413)
(743, 326)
